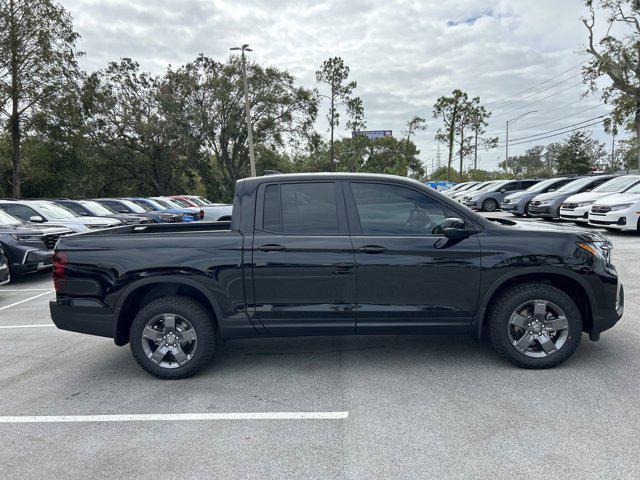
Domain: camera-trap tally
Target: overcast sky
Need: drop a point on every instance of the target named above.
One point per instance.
(403, 54)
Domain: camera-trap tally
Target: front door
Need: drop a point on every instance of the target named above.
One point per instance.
(303, 260)
(410, 278)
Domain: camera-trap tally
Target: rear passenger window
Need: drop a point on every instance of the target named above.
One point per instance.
(301, 208)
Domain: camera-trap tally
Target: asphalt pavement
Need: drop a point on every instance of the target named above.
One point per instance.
(377, 406)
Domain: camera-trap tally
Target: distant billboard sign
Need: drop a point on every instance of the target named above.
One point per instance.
(373, 134)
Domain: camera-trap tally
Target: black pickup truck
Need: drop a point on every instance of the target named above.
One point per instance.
(333, 254)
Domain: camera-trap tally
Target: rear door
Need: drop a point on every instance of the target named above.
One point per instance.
(303, 260)
(410, 278)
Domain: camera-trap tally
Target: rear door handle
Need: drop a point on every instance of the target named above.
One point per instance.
(372, 249)
(271, 248)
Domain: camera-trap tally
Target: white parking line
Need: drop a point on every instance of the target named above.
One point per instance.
(26, 300)
(28, 326)
(14, 290)
(176, 417)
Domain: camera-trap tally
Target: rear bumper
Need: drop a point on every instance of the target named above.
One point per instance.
(92, 320)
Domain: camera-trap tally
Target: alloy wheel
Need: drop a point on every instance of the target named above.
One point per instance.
(169, 340)
(538, 328)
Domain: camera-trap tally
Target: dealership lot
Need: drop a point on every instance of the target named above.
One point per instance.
(379, 407)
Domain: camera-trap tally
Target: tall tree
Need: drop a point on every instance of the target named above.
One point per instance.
(579, 154)
(38, 61)
(616, 58)
(335, 74)
(449, 110)
(282, 113)
(415, 124)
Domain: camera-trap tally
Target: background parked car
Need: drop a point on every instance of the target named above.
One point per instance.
(518, 203)
(576, 208)
(620, 211)
(212, 213)
(547, 205)
(465, 196)
(461, 187)
(27, 247)
(126, 206)
(188, 215)
(5, 276)
(44, 211)
(488, 200)
(87, 208)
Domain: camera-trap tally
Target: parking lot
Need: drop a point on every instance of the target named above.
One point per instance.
(317, 407)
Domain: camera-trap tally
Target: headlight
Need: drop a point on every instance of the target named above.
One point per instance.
(545, 203)
(614, 208)
(584, 204)
(24, 237)
(602, 250)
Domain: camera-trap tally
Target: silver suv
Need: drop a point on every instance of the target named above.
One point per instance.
(490, 199)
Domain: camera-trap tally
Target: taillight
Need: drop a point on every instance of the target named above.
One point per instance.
(60, 261)
(201, 214)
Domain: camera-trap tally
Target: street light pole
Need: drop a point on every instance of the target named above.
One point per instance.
(252, 158)
(506, 158)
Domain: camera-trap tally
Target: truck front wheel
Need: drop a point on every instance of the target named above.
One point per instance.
(535, 325)
(173, 337)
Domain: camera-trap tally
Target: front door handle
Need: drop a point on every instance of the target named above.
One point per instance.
(372, 249)
(271, 248)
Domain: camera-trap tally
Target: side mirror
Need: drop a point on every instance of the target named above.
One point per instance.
(551, 190)
(502, 190)
(455, 228)
(36, 219)
(122, 211)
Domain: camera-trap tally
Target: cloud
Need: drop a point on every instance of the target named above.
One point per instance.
(404, 54)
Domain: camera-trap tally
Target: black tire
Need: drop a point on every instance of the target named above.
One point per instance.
(518, 215)
(489, 205)
(201, 321)
(526, 210)
(507, 303)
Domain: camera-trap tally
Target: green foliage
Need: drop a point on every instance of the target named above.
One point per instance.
(579, 154)
(38, 65)
(531, 164)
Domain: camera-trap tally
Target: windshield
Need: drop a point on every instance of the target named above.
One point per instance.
(54, 212)
(178, 203)
(133, 206)
(95, 208)
(576, 184)
(538, 187)
(197, 201)
(479, 186)
(488, 186)
(619, 184)
(6, 219)
(205, 201)
(164, 205)
(635, 189)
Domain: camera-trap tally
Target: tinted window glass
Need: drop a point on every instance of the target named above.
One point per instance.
(309, 208)
(74, 207)
(272, 218)
(394, 210)
(21, 211)
(511, 186)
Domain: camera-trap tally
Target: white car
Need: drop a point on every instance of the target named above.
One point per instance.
(617, 212)
(212, 213)
(576, 207)
(43, 211)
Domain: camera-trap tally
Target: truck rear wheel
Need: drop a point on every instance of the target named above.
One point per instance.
(535, 325)
(173, 337)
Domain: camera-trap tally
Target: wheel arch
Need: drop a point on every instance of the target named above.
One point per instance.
(568, 282)
(140, 293)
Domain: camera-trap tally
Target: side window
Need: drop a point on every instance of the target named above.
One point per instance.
(272, 217)
(511, 186)
(527, 183)
(395, 210)
(301, 208)
(21, 211)
(556, 186)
